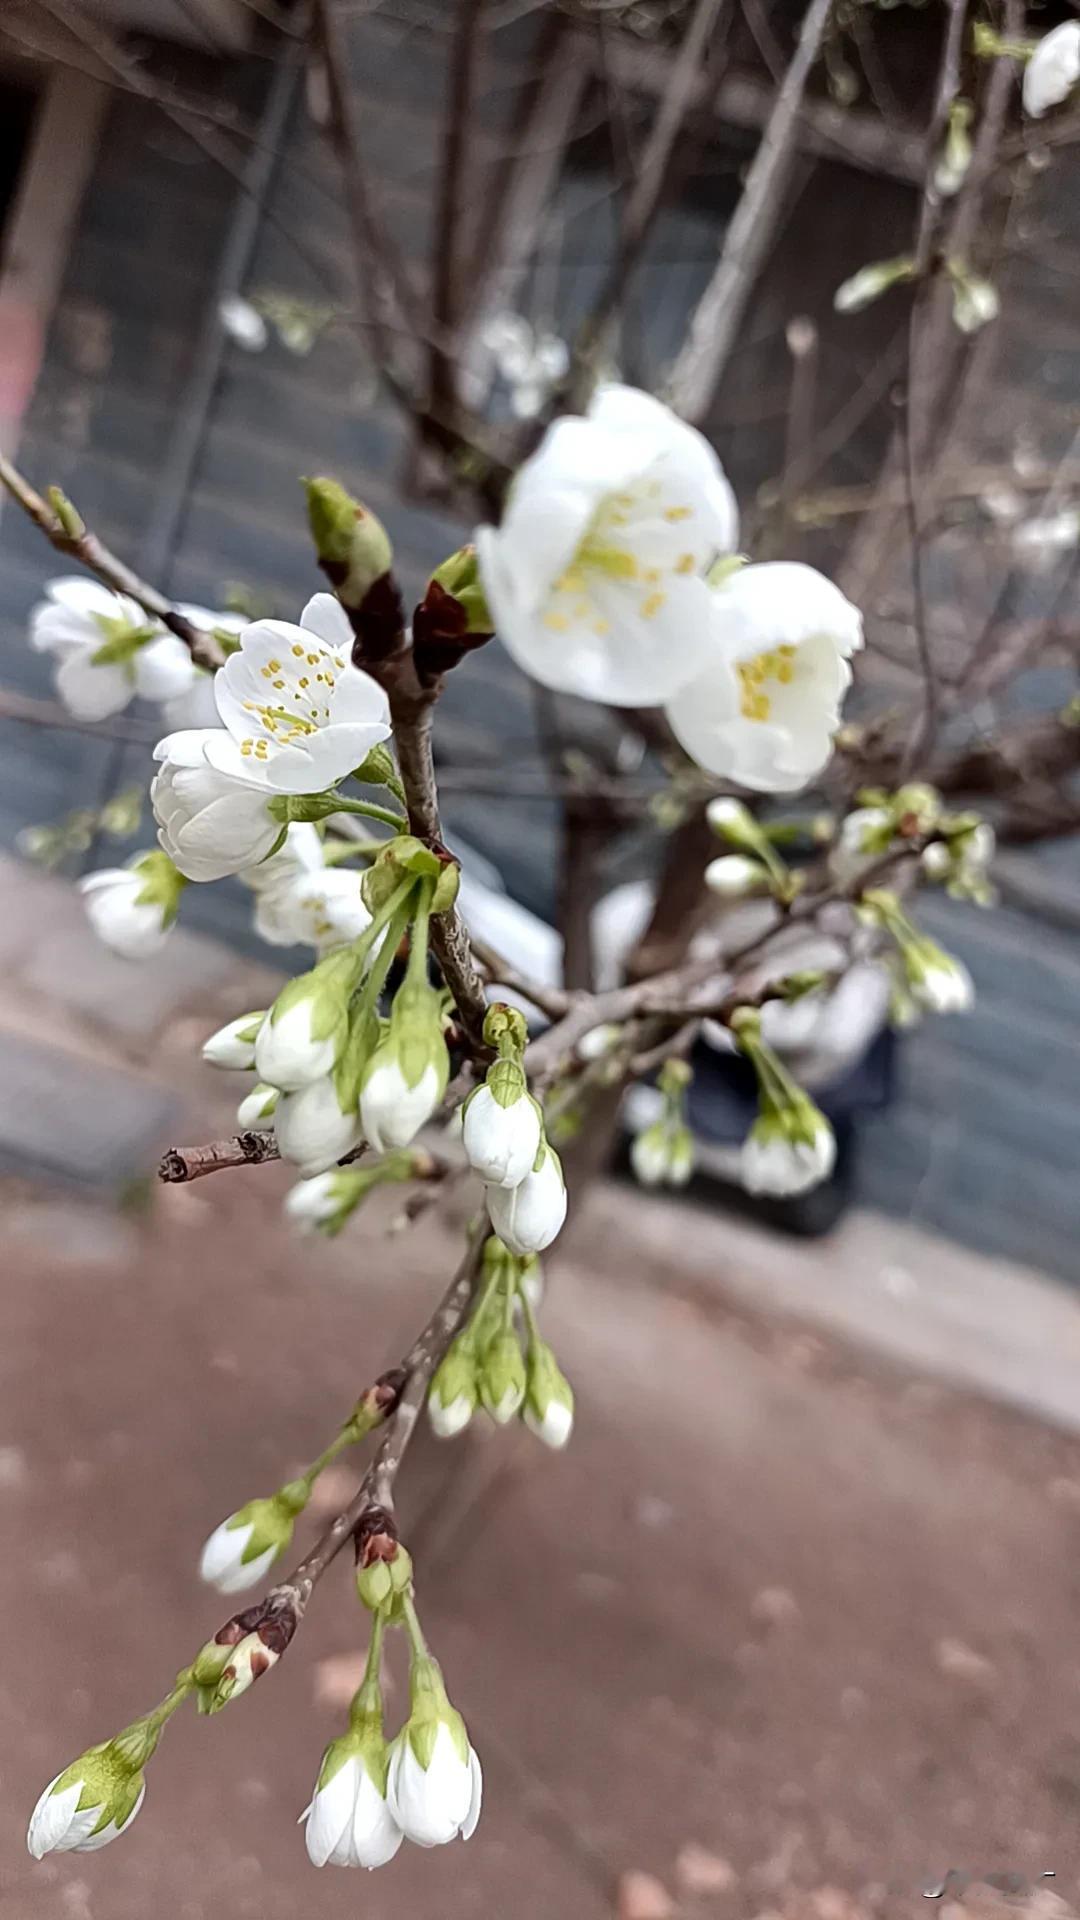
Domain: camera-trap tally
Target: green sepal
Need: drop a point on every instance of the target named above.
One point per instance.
(406, 857)
(162, 884)
(122, 640)
(506, 1083)
(415, 1036)
(431, 1708)
(288, 807)
(360, 1043)
(379, 769)
(502, 1372)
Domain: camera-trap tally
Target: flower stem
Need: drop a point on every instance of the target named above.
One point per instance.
(416, 971)
(371, 811)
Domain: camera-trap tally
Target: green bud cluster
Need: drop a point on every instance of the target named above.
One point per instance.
(499, 1361)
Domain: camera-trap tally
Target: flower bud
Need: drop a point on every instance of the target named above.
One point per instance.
(529, 1216)
(502, 1127)
(352, 546)
(434, 1783)
(453, 1393)
(406, 1075)
(349, 1823)
(324, 1203)
(732, 821)
(312, 1130)
(305, 1029)
(90, 1803)
(255, 1114)
(788, 1150)
(133, 909)
(502, 1378)
(375, 1585)
(548, 1408)
(233, 1046)
(506, 1029)
(733, 876)
(459, 577)
(870, 282)
(242, 1550)
(407, 858)
(248, 1660)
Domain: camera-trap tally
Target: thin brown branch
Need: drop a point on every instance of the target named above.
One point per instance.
(550, 1000)
(411, 714)
(276, 1617)
(446, 279)
(91, 553)
(645, 197)
(714, 324)
(180, 1164)
(385, 290)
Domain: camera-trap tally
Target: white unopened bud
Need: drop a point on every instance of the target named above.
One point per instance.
(255, 1114)
(233, 1046)
(349, 1823)
(733, 876)
(310, 1128)
(133, 909)
(548, 1409)
(435, 1785)
(406, 1075)
(788, 1151)
(529, 1216)
(91, 1803)
(305, 1029)
(501, 1128)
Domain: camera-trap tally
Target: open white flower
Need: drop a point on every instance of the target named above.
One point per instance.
(302, 902)
(210, 823)
(529, 1216)
(348, 1822)
(1053, 69)
(765, 708)
(107, 650)
(299, 716)
(595, 579)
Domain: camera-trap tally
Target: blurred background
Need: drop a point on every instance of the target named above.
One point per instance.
(792, 1629)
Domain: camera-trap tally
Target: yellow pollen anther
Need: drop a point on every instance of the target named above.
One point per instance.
(685, 563)
(558, 622)
(675, 514)
(298, 653)
(652, 605)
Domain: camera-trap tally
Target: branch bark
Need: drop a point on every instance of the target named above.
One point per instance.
(701, 362)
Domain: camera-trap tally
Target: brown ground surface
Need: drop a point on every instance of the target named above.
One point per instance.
(798, 1609)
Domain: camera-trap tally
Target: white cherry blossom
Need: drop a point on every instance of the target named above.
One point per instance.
(106, 649)
(1053, 69)
(210, 823)
(765, 708)
(299, 716)
(595, 579)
